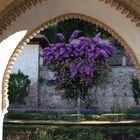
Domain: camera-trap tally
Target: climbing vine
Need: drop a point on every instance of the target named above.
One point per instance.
(78, 62)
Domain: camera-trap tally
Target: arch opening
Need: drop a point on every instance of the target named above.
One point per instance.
(26, 39)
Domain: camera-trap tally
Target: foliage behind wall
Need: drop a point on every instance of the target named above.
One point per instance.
(66, 27)
(18, 87)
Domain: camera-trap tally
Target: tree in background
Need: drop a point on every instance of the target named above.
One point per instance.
(18, 87)
(66, 27)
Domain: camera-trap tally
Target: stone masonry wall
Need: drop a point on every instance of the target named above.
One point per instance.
(114, 93)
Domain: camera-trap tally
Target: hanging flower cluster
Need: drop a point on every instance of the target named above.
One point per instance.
(76, 61)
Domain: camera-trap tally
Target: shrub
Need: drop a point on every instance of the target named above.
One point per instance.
(49, 132)
(136, 89)
(18, 87)
(72, 117)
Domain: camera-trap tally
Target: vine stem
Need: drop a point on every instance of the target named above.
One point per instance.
(78, 102)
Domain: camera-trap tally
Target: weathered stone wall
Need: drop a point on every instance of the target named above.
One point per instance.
(113, 93)
(51, 99)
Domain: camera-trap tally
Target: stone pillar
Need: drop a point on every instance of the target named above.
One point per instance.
(1, 125)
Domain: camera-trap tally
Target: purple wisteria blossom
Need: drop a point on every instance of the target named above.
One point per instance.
(74, 34)
(60, 36)
(76, 61)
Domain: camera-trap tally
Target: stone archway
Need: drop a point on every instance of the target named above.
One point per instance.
(18, 7)
(27, 38)
(22, 29)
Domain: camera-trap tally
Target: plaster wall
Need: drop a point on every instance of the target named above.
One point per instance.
(4, 3)
(28, 61)
(96, 9)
